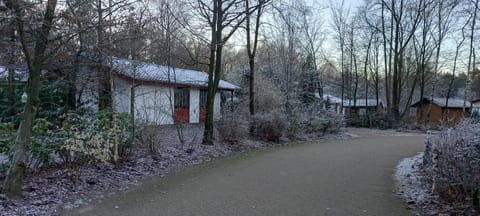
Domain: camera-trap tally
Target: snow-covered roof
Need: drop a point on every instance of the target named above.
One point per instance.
(442, 102)
(158, 73)
(331, 98)
(361, 103)
(20, 74)
(349, 103)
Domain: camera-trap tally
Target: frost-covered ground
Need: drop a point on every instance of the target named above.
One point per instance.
(49, 190)
(415, 189)
(411, 186)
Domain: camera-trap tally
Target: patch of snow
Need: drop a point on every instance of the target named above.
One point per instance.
(412, 187)
(3, 159)
(20, 74)
(406, 167)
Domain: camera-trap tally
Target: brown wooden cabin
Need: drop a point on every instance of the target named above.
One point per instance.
(441, 113)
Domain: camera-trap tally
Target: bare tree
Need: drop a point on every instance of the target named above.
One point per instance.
(444, 14)
(340, 16)
(224, 17)
(312, 39)
(34, 59)
(458, 46)
(252, 45)
(471, 61)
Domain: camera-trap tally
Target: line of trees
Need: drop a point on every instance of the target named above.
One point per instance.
(409, 48)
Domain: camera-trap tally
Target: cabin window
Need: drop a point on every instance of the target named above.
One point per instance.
(203, 98)
(182, 97)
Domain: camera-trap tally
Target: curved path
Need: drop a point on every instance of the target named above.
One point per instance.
(339, 177)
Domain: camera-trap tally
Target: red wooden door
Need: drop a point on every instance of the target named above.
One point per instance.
(182, 115)
(182, 105)
(203, 111)
(203, 105)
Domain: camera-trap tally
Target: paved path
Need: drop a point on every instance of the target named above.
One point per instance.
(342, 177)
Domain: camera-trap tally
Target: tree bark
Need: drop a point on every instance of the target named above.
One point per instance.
(218, 22)
(470, 57)
(251, 60)
(103, 76)
(208, 130)
(252, 50)
(11, 91)
(387, 60)
(11, 77)
(18, 165)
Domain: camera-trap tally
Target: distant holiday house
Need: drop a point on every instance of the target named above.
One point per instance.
(331, 102)
(476, 108)
(19, 74)
(441, 112)
(362, 106)
(163, 95)
(359, 106)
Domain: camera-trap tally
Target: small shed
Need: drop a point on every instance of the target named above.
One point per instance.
(159, 87)
(162, 95)
(361, 106)
(453, 112)
(475, 108)
(331, 102)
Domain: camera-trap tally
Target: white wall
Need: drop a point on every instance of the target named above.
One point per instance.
(194, 106)
(216, 107)
(122, 95)
(152, 103)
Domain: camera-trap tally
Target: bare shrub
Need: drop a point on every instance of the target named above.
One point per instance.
(232, 128)
(320, 121)
(267, 97)
(269, 126)
(452, 159)
(381, 120)
(150, 139)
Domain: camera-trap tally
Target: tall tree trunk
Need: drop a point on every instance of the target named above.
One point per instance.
(72, 81)
(365, 73)
(111, 87)
(387, 60)
(217, 21)
(132, 102)
(342, 73)
(437, 55)
(208, 130)
(11, 91)
(209, 106)
(377, 77)
(445, 114)
(252, 49)
(103, 76)
(396, 63)
(18, 165)
(116, 156)
(11, 77)
(355, 88)
(470, 57)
